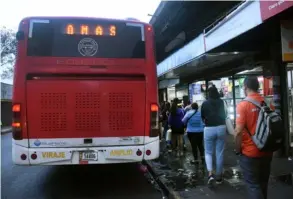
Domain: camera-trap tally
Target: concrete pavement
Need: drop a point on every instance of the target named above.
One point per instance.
(72, 182)
(184, 180)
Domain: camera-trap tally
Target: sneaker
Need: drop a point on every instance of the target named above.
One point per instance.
(181, 153)
(219, 181)
(211, 180)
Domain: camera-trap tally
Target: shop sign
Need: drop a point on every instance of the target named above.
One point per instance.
(287, 40)
(272, 8)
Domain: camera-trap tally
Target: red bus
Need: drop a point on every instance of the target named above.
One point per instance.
(85, 92)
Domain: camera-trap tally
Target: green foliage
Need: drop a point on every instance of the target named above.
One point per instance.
(7, 51)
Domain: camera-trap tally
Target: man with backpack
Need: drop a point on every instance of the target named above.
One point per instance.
(258, 134)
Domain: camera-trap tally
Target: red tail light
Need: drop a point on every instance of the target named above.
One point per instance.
(155, 129)
(23, 156)
(148, 152)
(34, 156)
(16, 123)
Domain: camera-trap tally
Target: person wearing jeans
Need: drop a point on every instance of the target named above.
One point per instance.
(215, 138)
(214, 116)
(255, 164)
(194, 131)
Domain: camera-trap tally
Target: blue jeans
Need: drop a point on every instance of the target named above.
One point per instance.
(215, 136)
(256, 173)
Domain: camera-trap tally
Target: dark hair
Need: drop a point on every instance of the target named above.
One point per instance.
(213, 93)
(167, 105)
(176, 100)
(174, 107)
(194, 106)
(251, 82)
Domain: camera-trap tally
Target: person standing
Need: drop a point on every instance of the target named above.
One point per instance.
(164, 118)
(255, 164)
(214, 116)
(175, 122)
(194, 129)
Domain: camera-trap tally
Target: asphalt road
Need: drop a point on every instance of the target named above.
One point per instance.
(71, 182)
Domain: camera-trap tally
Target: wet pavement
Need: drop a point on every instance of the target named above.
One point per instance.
(186, 180)
(73, 182)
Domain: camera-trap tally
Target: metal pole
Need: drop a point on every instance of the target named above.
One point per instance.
(283, 94)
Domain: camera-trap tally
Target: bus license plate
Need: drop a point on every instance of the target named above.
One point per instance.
(90, 155)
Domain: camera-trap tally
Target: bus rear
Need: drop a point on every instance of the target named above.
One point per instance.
(85, 92)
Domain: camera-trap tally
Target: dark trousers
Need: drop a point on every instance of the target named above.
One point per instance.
(196, 141)
(256, 173)
(166, 127)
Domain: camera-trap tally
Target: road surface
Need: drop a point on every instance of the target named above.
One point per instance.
(71, 182)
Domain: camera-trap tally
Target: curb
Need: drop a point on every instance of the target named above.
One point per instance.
(167, 190)
(6, 130)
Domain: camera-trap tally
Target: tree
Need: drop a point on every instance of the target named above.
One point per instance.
(7, 51)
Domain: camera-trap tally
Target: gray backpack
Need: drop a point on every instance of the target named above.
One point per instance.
(269, 128)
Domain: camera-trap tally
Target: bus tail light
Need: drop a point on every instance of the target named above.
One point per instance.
(16, 123)
(34, 156)
(148, 152)
(155, 128)
(23, 156)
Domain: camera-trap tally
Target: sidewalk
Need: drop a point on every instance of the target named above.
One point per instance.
(6, 129)
(185, 180)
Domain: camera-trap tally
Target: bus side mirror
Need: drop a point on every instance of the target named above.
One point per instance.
(20, 35)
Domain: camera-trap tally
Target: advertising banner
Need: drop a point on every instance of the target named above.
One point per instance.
(287, 40)
(272, 8)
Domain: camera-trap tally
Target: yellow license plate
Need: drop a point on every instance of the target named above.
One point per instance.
(121, 152)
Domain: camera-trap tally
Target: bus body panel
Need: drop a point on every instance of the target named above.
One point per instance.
(85, 108)
(65, 100)
(69, 156)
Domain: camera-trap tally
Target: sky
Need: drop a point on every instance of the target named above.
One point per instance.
(119, 9)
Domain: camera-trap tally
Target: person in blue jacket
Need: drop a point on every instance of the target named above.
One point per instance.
(195, 127)
(175, 122)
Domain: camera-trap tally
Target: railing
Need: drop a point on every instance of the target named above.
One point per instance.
(222, 17)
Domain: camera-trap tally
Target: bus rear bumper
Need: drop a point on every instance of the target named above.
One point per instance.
(75, 156)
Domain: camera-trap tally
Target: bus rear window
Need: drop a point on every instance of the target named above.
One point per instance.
(85, 38)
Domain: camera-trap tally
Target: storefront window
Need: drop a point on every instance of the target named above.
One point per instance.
(181, 93)
(171, 94)
(290, 100)
(197, 92)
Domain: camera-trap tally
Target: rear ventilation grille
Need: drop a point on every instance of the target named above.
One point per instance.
(87, 100)
(120, 121)
(53, 114)
(87, 115)
(53, 121)
(87, 121)
(121, 113)
(120, 100)
(53, 101)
